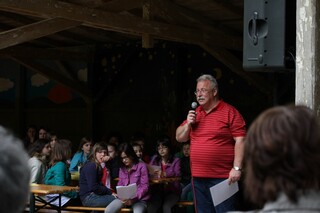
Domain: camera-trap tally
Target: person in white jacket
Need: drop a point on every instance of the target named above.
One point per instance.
(39, 153)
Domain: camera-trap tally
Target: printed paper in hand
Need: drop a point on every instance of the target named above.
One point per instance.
(223, 191)
(127, 192)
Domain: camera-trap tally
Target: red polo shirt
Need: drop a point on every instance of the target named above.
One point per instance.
(211, 140)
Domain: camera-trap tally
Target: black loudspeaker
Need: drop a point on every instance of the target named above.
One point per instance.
(269, 35)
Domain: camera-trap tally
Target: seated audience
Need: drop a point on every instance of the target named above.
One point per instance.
(138, 150)
(43, 133)
(282, 160)
(114, 162)
(92, 191)
(58, 173)
(39, 153)
(139, 138)
(132, 170)
(53, 139)
(81, 156)
(14, 173)
(31, 136)
(165, 197)
(186, 185)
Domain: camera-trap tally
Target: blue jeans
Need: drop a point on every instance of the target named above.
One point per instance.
(94, 200)
(202, 195)
(140, 207)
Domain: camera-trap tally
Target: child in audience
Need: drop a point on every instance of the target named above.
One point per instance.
(81, 156)
(39, 153)
(186, 193)
(53, 138)
(169, 195)
(140, 139)
(58, 172)
(114, 162)
(186, 185)
(31, 136)
(92, 191)
(138, 150)
(132, 170)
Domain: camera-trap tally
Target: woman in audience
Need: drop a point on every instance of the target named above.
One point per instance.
(39, 153)
(169, 195)
(282, 160)
(92, 191)
(81, 156)
(58, 173)
(132, 170)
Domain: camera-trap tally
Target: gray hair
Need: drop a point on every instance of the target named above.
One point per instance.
(214, 83)
(14, 173)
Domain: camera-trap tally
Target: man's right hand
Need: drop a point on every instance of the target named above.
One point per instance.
(191, 118)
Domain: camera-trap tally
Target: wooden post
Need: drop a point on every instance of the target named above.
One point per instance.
(307, 54)
(147, 39)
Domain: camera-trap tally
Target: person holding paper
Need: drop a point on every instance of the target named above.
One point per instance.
(216, 132)
(282, 160)
(132, 170)
(92, 191)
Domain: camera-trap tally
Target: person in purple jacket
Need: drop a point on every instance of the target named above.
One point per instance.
(134, 171)
(165, 196)
(92, 192)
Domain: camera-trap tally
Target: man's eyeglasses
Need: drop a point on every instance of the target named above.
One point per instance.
(202, 91)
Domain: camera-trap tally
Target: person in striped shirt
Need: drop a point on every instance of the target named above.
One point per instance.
(216, 132)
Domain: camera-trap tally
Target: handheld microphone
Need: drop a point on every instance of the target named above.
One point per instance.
(194, 105)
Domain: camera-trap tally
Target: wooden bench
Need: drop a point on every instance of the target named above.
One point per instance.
(83, 208)
(182, 204)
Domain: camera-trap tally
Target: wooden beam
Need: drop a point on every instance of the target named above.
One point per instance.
(121, 5)
(119, 23)
(112, 6)
(147, 39)
(235, 65)
(176, 14)
(34, 31)
(56, 76)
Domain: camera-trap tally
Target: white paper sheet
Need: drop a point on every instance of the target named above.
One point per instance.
(50, 197)
(127, 192)
(223, 191)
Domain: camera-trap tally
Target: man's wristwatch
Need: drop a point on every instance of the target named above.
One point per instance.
(237, 168)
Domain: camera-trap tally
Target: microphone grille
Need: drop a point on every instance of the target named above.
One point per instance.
(194, 105)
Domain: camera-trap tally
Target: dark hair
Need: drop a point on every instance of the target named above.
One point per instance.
(35, 149)
(129, 151)
(83, 141)
(282, 154)
(165, 141)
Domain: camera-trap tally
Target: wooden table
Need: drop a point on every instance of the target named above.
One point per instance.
(38, 190)
(164, 180)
